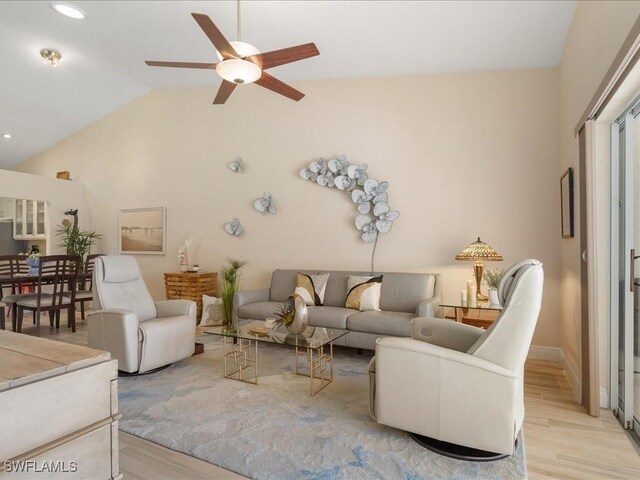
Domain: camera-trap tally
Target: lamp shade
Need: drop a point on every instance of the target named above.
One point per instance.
(479, 250)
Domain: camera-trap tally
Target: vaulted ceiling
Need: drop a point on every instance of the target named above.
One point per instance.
(102, 66)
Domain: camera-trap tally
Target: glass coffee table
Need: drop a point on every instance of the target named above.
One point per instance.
(313, 351)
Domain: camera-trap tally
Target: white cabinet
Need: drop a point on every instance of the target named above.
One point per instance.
(30, 220)
(7, 208)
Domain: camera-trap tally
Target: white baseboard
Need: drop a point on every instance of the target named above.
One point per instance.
(604, 398)
(550, 354)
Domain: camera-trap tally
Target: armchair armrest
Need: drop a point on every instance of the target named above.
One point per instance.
(176, 308)
(115, 331)
(430, 308)
(247, 296)
(445, 333)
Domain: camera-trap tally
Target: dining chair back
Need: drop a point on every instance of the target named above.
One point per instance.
(59, 273)
(85, 282)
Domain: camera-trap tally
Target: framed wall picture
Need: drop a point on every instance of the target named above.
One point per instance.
(143, 231)
(566, 199)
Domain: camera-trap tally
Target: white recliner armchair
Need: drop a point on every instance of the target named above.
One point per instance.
(140, 334)
(461, 384)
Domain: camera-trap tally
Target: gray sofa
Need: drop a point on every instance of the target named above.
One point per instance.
(403, 296)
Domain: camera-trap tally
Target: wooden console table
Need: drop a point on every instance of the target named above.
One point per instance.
(191, 286)
(59, 404)
(477, 314)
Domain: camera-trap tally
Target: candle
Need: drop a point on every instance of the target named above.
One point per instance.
(463, 297)
(472, 293)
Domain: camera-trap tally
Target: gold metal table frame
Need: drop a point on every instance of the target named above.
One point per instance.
(313, 359)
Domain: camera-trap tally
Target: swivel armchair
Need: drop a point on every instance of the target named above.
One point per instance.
(141, 334)
(459, 389)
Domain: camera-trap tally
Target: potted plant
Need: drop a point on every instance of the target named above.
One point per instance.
(229, 286)
(492, 279)
(76, 241)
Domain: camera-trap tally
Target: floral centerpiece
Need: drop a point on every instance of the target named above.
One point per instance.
(33, 260)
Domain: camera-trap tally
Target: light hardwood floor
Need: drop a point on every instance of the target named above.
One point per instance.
(561, 440)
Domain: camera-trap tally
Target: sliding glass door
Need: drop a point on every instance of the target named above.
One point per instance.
(625, 269)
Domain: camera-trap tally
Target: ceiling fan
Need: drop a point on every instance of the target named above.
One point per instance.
(241, 62)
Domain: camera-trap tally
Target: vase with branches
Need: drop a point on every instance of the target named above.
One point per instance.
(230, 284)
(492, 279)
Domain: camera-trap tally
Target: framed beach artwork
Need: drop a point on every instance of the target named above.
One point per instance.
(566, 200)
(143, 231)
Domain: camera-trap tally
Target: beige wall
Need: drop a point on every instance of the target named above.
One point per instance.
(465, 155)
(596, 35)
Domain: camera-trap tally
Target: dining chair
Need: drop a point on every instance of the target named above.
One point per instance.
(10, 267)
(85, 283)
(60, 273)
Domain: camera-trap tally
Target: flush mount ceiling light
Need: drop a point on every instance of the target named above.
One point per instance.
(242, 63)
(6, 136)
(51, 57)
(68, 10)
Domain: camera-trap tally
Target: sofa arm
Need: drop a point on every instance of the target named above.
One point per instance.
(430, 308)
(445, 333)
(176, 308)
(115, 331)
(248, 296)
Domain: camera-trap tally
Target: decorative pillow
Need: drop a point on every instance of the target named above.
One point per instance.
(211, 311)
(363, 293)
(312, 287)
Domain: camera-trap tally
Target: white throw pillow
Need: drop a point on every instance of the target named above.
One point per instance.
(211, 311)
(363, 293)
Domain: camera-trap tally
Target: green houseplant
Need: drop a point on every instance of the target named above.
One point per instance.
(230, 284)
(76, 241)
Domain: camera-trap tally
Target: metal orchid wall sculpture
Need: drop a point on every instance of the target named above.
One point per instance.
(233, 227)
(369, 195)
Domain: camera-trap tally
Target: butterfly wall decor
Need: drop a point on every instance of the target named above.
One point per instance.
(237, 166)
(233, 227)
(368, 194)
(265, 204)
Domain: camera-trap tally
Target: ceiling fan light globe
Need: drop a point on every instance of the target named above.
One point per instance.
(238, 71)
(243, 49)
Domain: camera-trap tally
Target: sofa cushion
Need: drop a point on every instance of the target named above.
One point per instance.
(330, 317)
(402, 292)
(283, 283)
(259, 310)
(397, 324)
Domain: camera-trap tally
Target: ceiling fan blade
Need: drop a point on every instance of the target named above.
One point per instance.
(276, 58)
(210, 66)
(217, 38)
(275, 85)
(225, 90)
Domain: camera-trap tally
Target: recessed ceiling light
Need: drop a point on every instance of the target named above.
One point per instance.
(68, 10)
(6, 136)
(51, 57)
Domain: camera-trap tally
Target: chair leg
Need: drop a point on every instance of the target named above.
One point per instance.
(71, 319)
(19, 319)
(56, 313)
(50, 315)
(14, 317)
(36, 314)
(2, 325)
(82, 310)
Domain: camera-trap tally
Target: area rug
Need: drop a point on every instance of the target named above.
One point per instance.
(276, 430)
